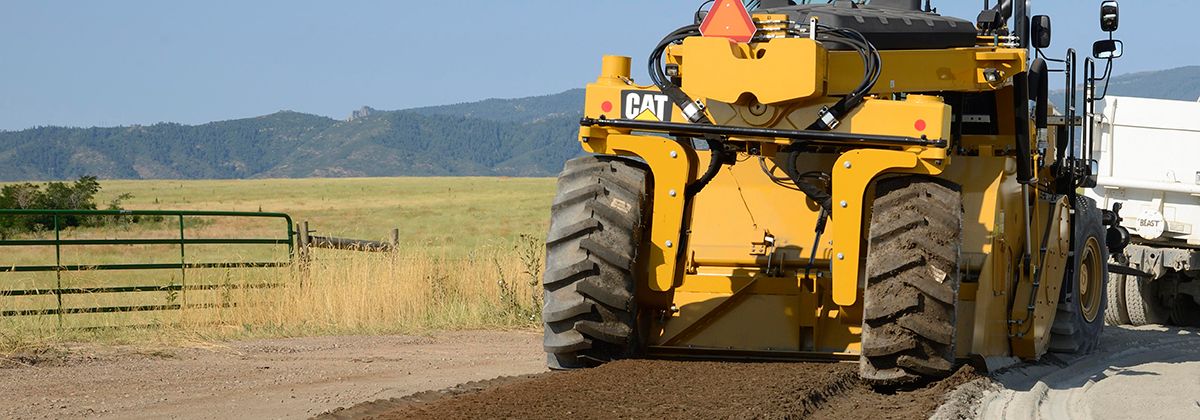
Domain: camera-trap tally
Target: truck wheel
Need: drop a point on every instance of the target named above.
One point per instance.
(1185, 312)
(1080, 317)
(1143, 303)
(596, 227)
(1185, 309)
(1116, 314)
(914, 249)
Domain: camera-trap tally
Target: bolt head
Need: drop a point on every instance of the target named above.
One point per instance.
(674, 154)
(841, 256)
(847, 165)
(670, 244)
(672, 192)
(844, 204)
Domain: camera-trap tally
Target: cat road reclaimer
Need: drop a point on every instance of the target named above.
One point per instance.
(863, 181)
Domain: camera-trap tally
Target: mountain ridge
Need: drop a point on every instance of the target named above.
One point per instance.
(524, 137)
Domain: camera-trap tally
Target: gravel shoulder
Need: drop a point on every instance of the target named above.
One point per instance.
(1143, 372)
(285, 378)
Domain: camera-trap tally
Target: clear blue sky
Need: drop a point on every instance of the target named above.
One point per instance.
(119, 62)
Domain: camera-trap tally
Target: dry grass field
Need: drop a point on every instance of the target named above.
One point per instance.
(470, 257)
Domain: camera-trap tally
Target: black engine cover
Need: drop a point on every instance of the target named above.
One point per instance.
(892, 25)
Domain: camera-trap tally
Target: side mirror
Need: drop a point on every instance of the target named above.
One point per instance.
(1108, 49)
(1110, 16)
(1041, 32)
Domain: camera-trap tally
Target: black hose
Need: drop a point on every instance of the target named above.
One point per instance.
(872, 69)
(1005, 8)
(823, 198)
(716, 159)
(716, 146)
(822, 219)
(1021, 110)
(1039, 83)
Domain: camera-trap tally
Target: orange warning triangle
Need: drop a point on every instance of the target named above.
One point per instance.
(729, 19)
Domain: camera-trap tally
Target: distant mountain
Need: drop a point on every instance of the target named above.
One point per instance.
(531, 109)
(497, 137)
(1181, 84)
(505, 137)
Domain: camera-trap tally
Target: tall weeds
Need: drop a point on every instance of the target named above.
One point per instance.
(340, 292)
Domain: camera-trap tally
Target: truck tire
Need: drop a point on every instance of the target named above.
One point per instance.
(913, 255)
(1185, 312)
(1081, 307)
(1116, 314)
(596, 227)
(1143, 303)
(1185, 309)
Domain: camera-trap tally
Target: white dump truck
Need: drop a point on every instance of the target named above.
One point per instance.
(1149, 155)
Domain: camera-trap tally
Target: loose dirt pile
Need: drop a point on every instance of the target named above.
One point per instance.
(666, 389)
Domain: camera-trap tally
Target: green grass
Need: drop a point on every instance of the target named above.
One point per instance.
(454, 215)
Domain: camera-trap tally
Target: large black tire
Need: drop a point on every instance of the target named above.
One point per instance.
(913, 255)
(1116, 313)
(1084, 297)
(1143, 302)
(1185, 309)
(596, 227)
(1185, 312)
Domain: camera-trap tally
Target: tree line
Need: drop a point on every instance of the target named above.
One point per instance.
(78, 195)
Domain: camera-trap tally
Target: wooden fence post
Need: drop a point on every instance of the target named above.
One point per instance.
(396, 240)
(305, 252)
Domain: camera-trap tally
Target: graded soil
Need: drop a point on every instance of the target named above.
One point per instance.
(674, 389)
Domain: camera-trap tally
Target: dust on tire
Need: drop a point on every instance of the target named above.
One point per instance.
(591, 251)
(913, 257)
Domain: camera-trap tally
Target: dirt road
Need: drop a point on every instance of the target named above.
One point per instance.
(294, 378)
(1147, 372)
(1138, 373)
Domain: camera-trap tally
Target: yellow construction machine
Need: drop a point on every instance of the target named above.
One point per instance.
(841, 180)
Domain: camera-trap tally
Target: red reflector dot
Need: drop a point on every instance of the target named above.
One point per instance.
(606, 106)
(920, 125)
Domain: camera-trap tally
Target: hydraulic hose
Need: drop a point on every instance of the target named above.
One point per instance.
(716, 159)
(692, 110)
(1025, 173)
(1004, 8)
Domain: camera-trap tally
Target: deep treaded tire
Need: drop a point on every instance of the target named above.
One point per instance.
(913, 255)
(1116, 314)
(1142, 302)
(1080, 316)
(595, 230)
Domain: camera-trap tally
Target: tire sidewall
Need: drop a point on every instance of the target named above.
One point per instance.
(1088, 225)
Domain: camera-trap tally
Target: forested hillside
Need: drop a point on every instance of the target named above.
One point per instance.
(519, 137)
(506, 137)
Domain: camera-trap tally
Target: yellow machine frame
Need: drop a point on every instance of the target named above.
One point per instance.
(726, 272)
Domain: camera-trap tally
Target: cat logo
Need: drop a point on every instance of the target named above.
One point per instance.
(645, 105)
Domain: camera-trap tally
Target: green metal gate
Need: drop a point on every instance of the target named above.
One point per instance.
(287, 233)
